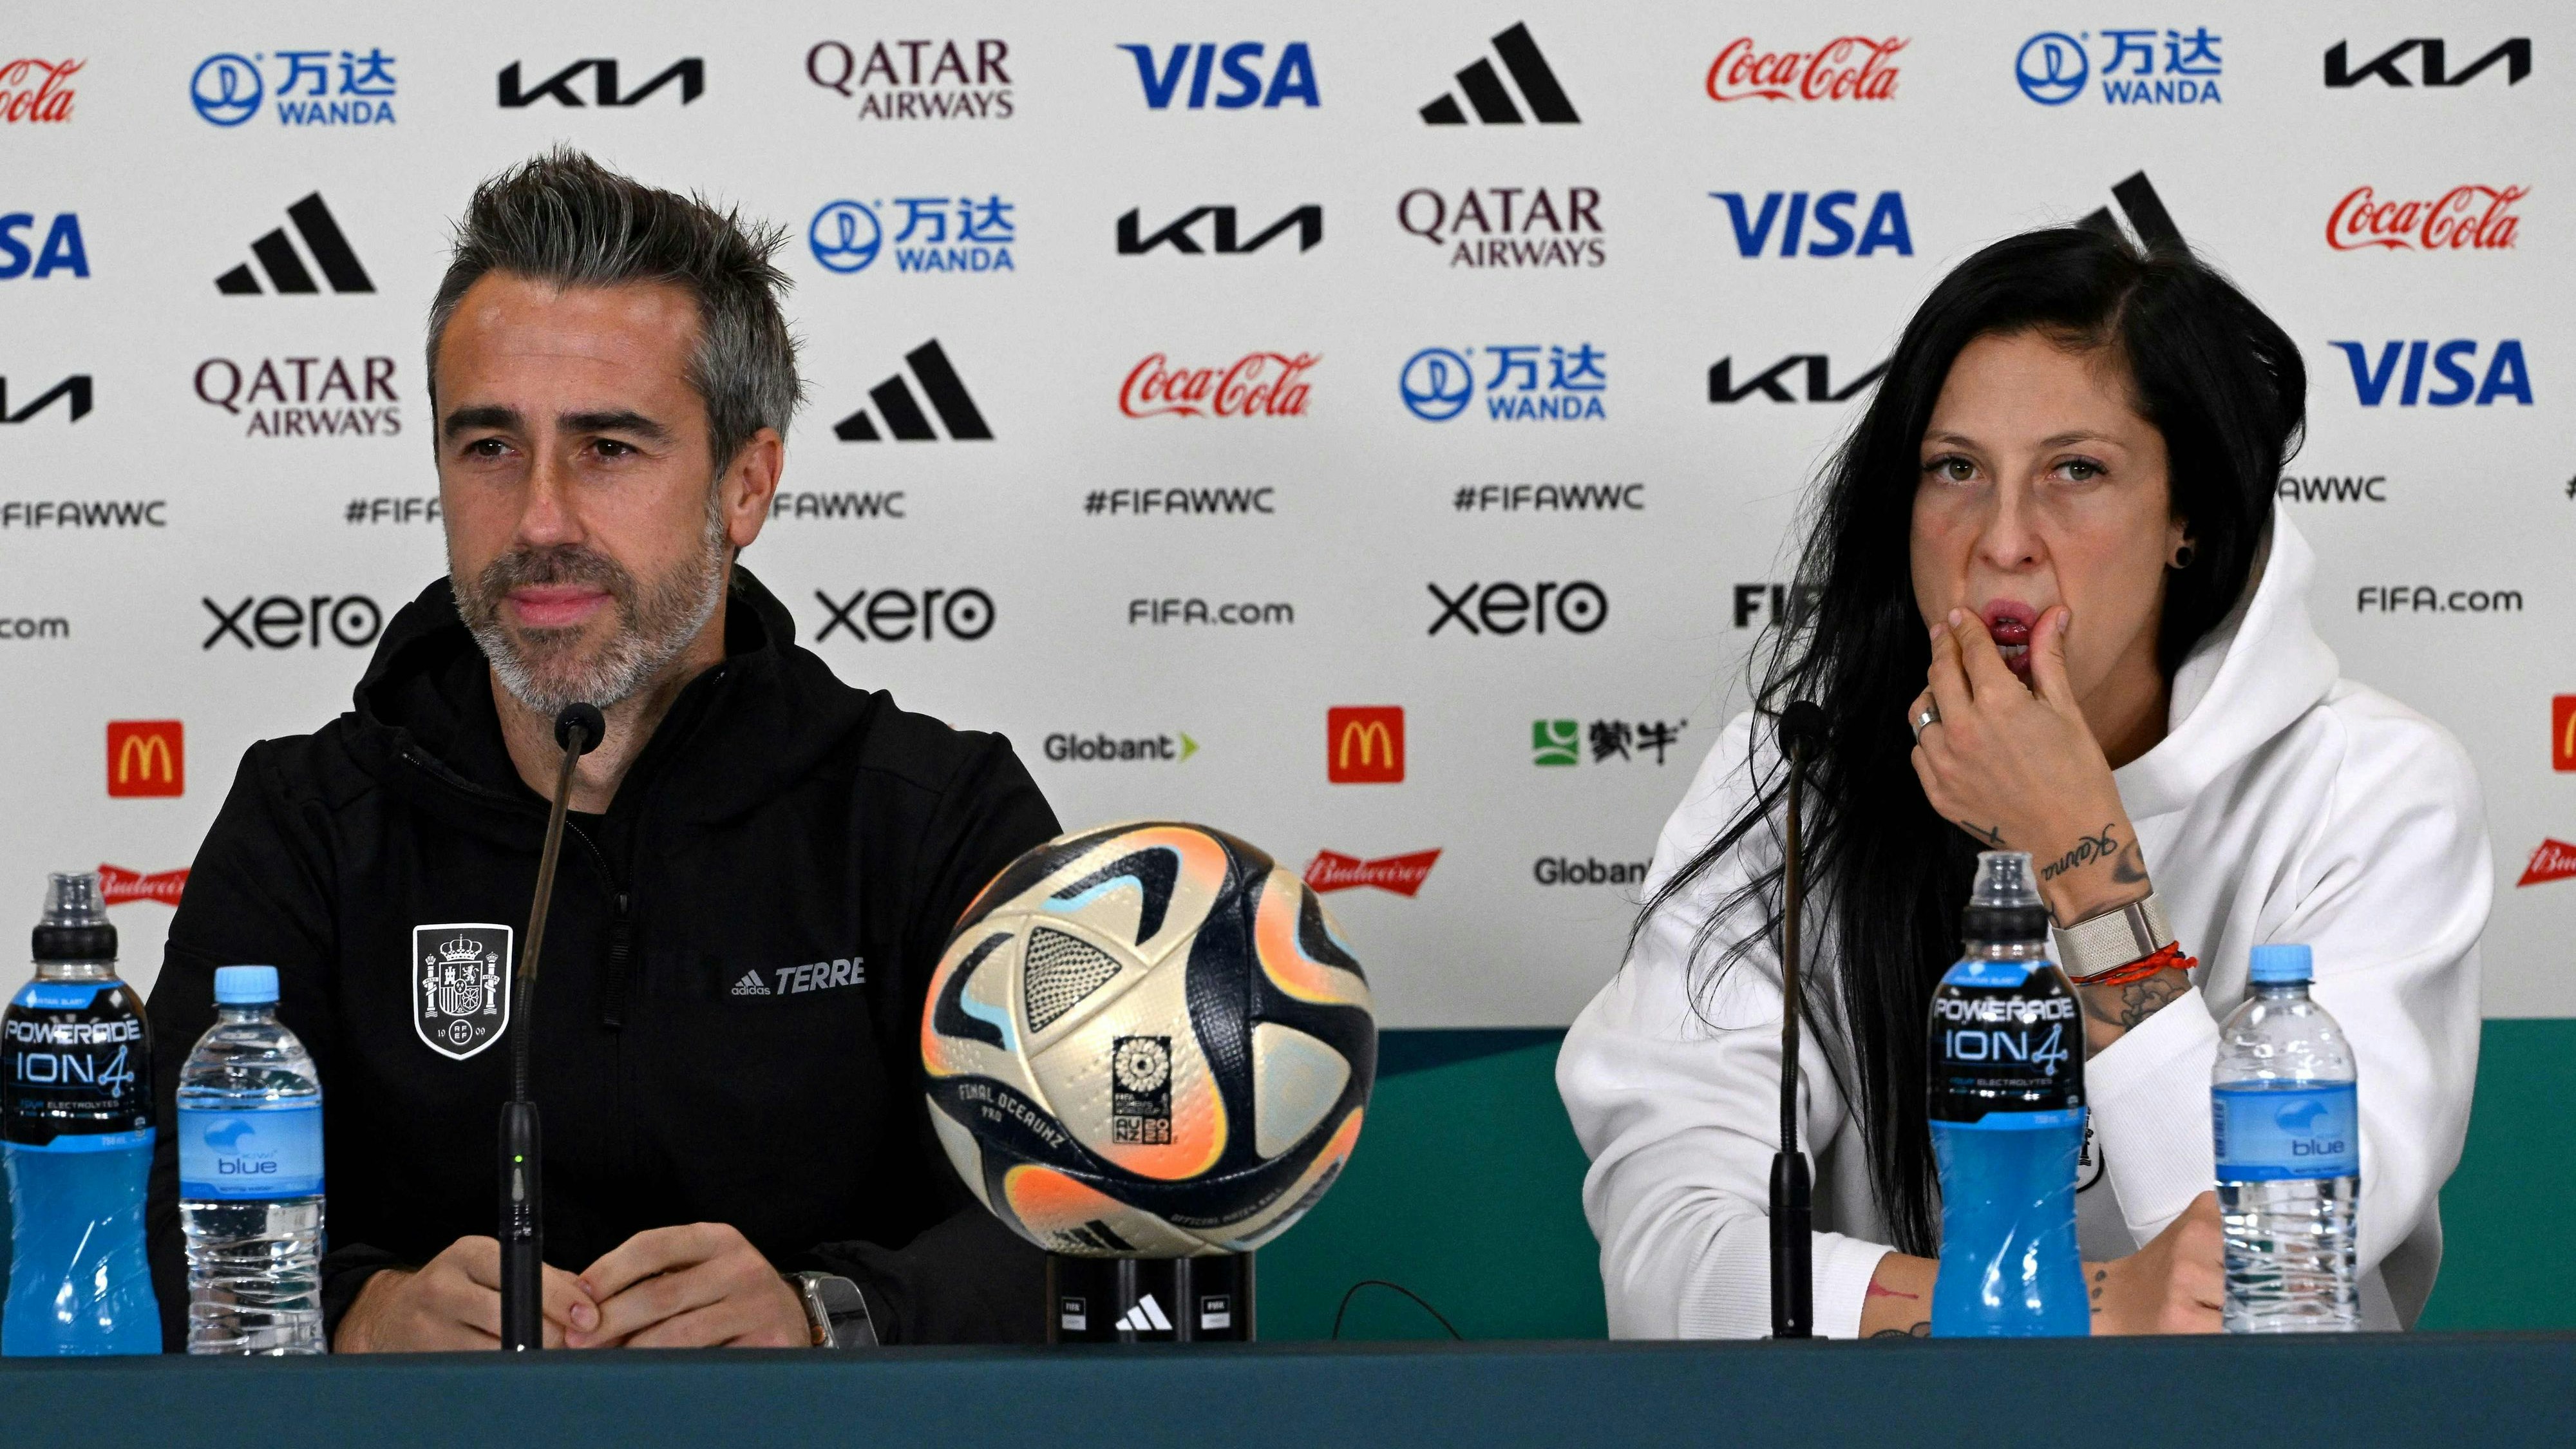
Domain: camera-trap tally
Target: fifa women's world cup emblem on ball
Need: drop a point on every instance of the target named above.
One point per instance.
(1148, 1041)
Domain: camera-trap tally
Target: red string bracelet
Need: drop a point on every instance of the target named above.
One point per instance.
(2170, 958)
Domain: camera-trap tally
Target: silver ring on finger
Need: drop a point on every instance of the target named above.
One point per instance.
(1925, 719)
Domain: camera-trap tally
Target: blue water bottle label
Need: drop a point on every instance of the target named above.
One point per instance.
(253, 1153)
(2274, 1133)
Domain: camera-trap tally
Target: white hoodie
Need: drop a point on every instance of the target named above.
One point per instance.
(2284, 804)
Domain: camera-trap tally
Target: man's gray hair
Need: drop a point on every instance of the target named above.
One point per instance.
(564, 218)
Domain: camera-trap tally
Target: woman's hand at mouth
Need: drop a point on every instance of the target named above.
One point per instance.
(2019, 769)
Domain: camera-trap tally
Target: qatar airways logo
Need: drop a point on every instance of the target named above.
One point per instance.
(1848, 68)
(2464, 218)
(1256, 385)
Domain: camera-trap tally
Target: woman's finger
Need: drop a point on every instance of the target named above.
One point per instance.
(1983, 662)
(2048, 661)
(1914, 714)
(1949, 679)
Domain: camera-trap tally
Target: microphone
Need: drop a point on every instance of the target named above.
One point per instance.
(1793, 1212)
(523, 1236)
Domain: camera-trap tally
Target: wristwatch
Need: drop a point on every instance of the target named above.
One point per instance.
(2114, 938)
(835, 1310)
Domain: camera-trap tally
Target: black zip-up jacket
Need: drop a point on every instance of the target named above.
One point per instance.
(728, 1009)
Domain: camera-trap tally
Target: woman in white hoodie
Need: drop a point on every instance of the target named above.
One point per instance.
(2055, 610)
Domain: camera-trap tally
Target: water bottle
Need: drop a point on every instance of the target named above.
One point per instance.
(2284, 1111)
(250, 1177)
(76, 1130)
(2007, 1110)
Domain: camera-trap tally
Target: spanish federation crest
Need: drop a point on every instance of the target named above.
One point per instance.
(460, 986)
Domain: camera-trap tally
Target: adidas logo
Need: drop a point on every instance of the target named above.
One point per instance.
(1484, 89)
(902, 414)
(751, 985)
(74, 387)
(1145, 1317)
(285, 269)
(2146, 213)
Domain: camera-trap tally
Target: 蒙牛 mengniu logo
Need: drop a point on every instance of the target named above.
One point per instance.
(2054, 67)
(1437, 383)
(976, 236)
(2507, 375)
(228, 88)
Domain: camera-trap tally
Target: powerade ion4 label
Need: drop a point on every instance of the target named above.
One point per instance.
(2269, 1133)
(2006, 1038)
(263, 1152)
(75, 1062)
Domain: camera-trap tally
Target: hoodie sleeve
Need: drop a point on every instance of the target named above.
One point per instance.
(258, 893)
(966, 1278)
(2391, 888)
(1674, 1092)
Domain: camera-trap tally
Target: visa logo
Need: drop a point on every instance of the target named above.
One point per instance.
(2507, 375)
(1835, 236)
(1292, 78)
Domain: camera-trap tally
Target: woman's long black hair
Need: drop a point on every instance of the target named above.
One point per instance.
(1887, 876)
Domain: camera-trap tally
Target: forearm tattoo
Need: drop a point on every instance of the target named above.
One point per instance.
(1992, 835)
(2088, 849)
(2136, 1001)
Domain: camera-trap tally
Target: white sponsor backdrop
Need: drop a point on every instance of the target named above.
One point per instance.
(2473, 497)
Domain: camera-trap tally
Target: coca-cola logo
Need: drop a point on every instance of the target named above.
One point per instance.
(1257, 385)
(1848, 68)
(1403, 875)
(2472, 217)
(2554, 860)
(117, 885)
(36, 90)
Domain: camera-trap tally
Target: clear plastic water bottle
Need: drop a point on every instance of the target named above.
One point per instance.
(2007, 1110)
(76, 1131)
(250, 1177)
(2285, 1112)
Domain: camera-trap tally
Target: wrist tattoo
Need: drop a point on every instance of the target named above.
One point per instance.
(2088, 849)
(1992, 835)
(2138, 1000)
(2129, 867)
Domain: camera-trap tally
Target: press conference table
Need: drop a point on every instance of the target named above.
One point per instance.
(2460, 1391)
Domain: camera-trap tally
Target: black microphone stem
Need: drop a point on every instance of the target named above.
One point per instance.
(522, 1177)
(1792, 1199)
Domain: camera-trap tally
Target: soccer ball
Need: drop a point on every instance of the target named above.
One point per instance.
(1148, 1041)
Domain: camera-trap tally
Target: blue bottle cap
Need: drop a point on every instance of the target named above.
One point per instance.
(245, 985)
(2274, 964)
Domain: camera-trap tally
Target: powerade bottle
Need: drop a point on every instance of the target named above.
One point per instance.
(250, 1177)
(76, 1129)
(2285, 1114)
(2007, 1109)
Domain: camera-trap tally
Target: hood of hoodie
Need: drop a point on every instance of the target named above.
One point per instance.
(740, 733)
(2251, 678)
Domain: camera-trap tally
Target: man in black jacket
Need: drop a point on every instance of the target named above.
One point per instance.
(760, 872)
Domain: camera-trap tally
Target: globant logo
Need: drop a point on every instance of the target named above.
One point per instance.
(1437, 383)
(1104, 748)
(2464, 218)
(1292, 76)
(298, 393)
(33, 90)
(1256, 385)
(2054, 67)
(1557, 870)
(1846, 68)
(229, 88)
(891, 90)
(1885, 230)
(1513, 226)
(1401, 875)
(2507, 375)
(846, 236)
(2554, 860)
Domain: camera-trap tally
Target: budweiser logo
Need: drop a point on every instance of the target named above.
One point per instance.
(117, 885)
(36, 90)
(2464, 217)
(1261, 384)
(2554, 860)
(1402, 874)
(1852, 68)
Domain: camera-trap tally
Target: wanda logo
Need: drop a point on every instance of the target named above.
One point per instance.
(1852, 68)
(2464, 218)
(1402, 875)
(1259, 385)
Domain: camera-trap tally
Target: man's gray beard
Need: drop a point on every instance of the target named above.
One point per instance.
(541, 668)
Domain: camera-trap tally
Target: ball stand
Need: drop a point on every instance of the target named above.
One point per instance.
(1150, 1300)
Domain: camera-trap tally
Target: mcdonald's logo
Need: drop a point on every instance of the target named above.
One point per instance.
(146, 757)
(1364, 744)
(2562, 732)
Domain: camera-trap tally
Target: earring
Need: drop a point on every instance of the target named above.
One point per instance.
(2182, 558)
